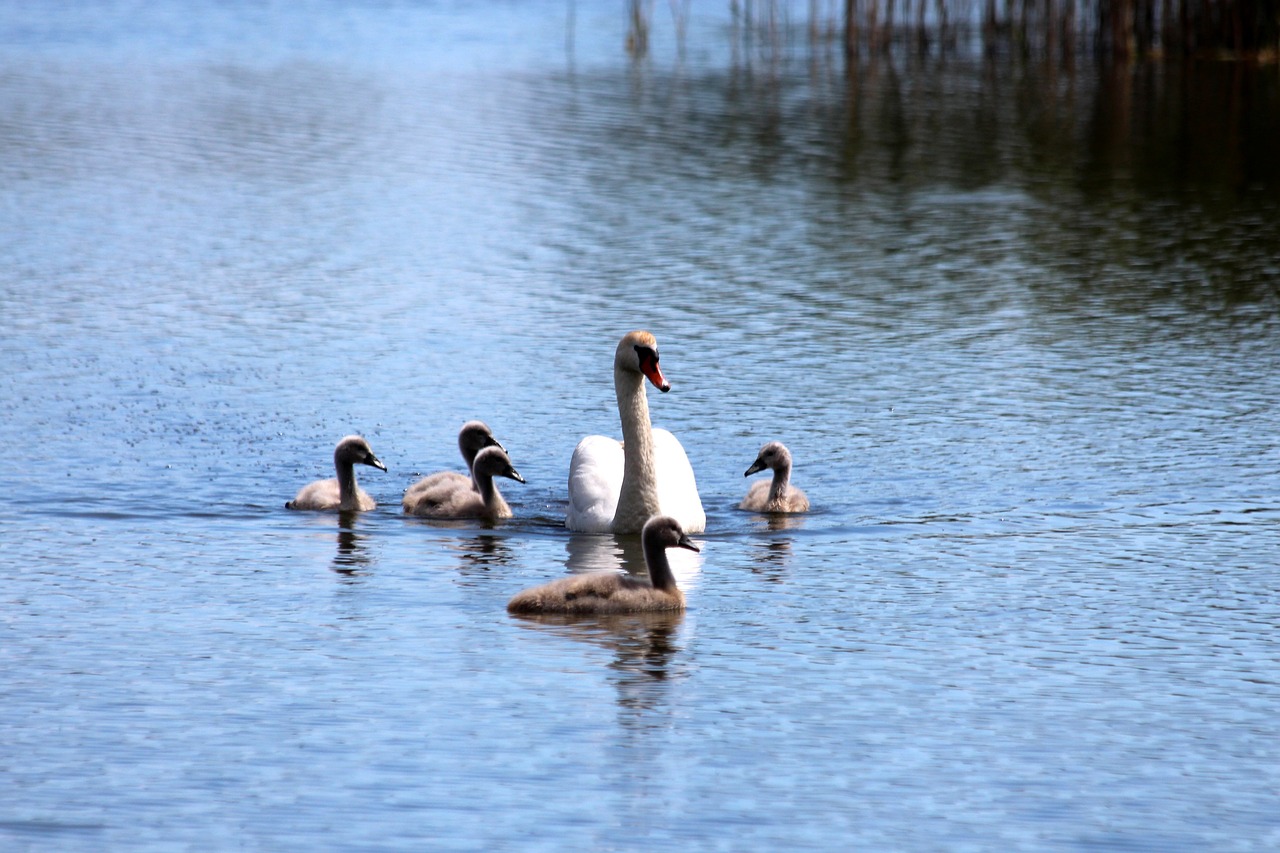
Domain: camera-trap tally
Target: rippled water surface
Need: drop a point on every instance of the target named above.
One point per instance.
(1018, 326)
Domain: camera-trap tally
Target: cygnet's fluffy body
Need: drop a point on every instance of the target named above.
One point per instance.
(612, 592)
(478, 497)
(776, 495)
(436, 488)
(341, 493)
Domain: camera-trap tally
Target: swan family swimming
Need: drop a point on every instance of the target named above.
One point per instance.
(642, 484)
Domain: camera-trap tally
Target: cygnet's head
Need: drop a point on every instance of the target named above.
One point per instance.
(353, 449)
(666, 531)
(773, 455)
(474, 437)
(638, 352)
(494, 462)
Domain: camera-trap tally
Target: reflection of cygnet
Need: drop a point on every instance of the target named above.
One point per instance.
(472, 438)
(778, 495)
(463, 500)
(341, 493)
(612, 592)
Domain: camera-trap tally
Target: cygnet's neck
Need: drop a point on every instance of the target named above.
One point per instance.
(781, 478)
(655, 557)
(638, 498)
(468, 455)
(348, 492)
(494, 502)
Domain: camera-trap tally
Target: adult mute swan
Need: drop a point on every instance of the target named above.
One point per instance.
(472, 438)
(616, 487)
(777, 495)
(481, 501)
(613, 592)
(341, 493)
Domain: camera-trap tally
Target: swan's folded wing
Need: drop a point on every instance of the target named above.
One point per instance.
(677, 487)
(595, 480)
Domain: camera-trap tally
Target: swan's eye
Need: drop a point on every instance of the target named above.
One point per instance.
(646, 354)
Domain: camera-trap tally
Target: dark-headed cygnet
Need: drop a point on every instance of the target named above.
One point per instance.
(434, 488)
(477, 498)
(777, 495)
(613, 592)
(341, 493)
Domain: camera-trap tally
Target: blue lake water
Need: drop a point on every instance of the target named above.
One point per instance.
(1019, 327)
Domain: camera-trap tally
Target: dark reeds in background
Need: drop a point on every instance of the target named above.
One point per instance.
(1113, 29)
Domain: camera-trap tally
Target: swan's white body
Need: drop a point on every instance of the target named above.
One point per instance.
(615, 487)
(595, 485)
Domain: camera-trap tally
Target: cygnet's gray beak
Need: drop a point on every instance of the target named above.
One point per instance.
(375, 462)
(515, 475)
(686, 542)
(758, 465)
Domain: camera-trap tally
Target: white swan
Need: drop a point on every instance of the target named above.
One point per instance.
(777, 495)
(616, 487)
(341, 493)
(432, 489)
(613, 592)
(483, 500)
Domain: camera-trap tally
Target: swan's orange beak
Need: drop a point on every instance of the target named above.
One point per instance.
(656, 377)
(649, 367)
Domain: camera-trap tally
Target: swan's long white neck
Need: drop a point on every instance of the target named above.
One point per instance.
(638, 499)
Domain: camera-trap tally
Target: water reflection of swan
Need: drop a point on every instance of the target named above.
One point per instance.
(774, 553)
(611, 553)
(341, 493)
(615, 592)
(472, 438)
(483, 551)
(616, 487)
(644, 646)
(352, 554)
(773, 556)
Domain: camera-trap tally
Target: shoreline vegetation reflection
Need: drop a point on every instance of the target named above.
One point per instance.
(1117, 30)
(1112, 93)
